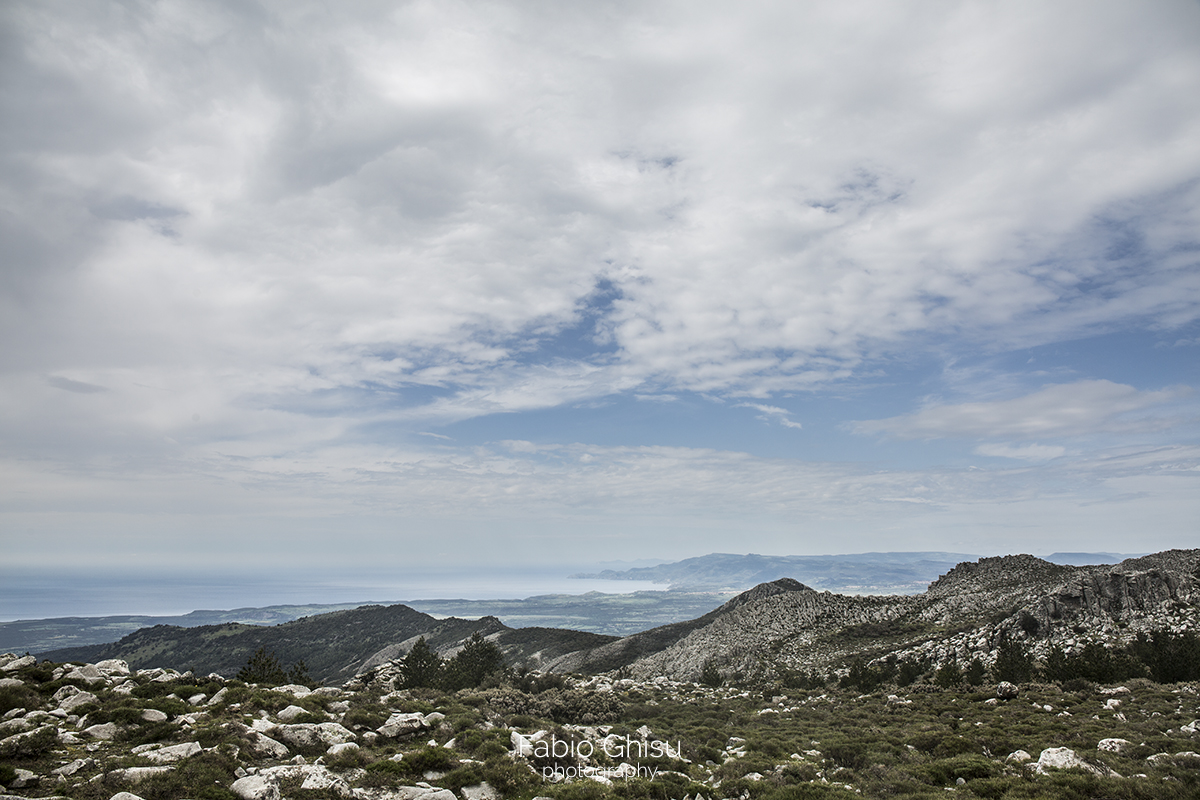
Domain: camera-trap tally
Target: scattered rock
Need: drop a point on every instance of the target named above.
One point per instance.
(1007, 691)
(264, 746)
(1066, 758)
(255, 787)
(291, 712)
(401, 723)
(104, 732)
(314, 734)
(77, 699)
(173, 753)
(1114, 745)
(136, 775)
(19, 663)
(339, 749)
(24, 779)
(113, 666)
(480, 791)
(1018, 757)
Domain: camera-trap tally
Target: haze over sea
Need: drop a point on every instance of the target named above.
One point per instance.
(31, 595)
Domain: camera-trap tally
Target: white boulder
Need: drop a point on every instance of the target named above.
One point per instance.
(255, 787)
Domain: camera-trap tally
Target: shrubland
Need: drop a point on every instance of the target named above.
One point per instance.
(476, 729)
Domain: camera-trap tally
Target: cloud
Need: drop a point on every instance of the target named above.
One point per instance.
(430, 196)
(276, 247)
(1067, 409)
(68, 385)
(1027, 452)
(773, 414)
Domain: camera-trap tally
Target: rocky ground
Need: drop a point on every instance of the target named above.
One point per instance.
(104, 732)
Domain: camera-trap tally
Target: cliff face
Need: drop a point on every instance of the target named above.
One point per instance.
(964, 614)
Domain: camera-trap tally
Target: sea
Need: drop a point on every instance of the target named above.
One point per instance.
(50, 594)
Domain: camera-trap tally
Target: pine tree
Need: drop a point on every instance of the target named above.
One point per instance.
(422, 667)
(263, 668)
(1013, 663)
(478, 659)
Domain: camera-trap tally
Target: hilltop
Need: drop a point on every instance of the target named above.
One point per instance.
(334, 646)
(966, 614)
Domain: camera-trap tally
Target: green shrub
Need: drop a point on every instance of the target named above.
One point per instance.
(368, 718)
(507, 777)
(37, 742)
(948, 770)
(18, 697)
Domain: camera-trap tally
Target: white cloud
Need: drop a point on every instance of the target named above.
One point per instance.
(1025, 452)
(777, 195)
(773, 414)
(255, 251)
(1067, 409)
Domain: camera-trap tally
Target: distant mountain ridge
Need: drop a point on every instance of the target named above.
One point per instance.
(857, 573)
(334, 646)
(966, 613)
(777, 627)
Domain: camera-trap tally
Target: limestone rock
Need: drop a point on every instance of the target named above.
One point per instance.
(291, 712)
(314, 735)
(255, 787)
(294, 689)
(480, 791)
(320, 779)
(113, 666)
(521, 745)
(154, 715)
(104, 732)
(124, 796)
(1006, 690)
(401, 723)
(19, 663)
(339, 749)
(72, 768)
(173, 753)
(1018, 757)
(87, 673)
(1066, 758)
(78, 699)
(12, 726)
(24, 780)
(1114, 745)
(264, 746)
(136, 775)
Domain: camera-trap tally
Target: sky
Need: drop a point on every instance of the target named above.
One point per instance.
(406, 287)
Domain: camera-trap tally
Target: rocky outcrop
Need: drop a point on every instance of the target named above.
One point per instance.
(965, 614)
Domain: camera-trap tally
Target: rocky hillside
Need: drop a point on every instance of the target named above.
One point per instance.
(334, 646)
(963, 615)
(107, 732)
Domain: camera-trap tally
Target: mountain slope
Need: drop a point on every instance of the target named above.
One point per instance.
(966, 613)
(334, 646)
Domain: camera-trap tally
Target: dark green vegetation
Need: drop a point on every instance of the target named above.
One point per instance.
(334, 646)
(43, 635)
(761, 742)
